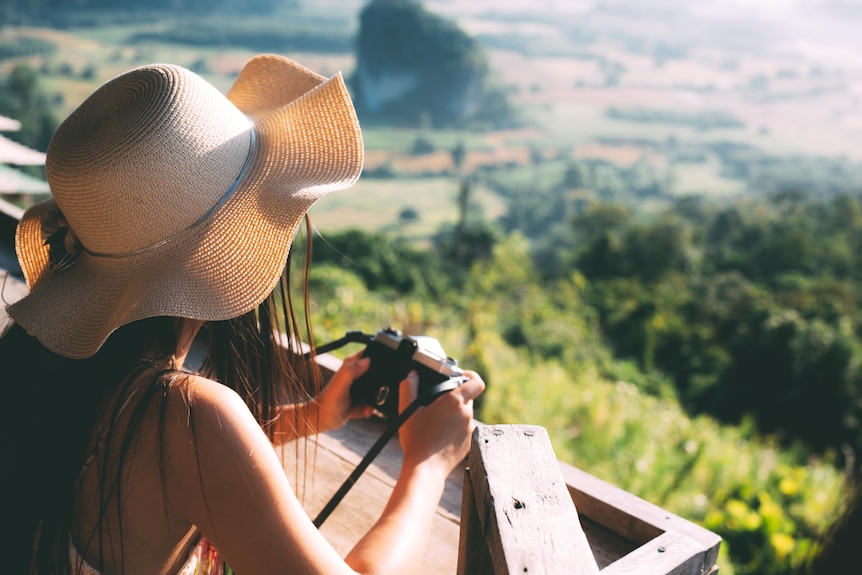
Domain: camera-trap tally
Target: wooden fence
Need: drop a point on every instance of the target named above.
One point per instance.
(525, 512)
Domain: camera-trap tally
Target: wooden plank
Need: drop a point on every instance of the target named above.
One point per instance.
(527, 515)
(632, 517)
(12, 213)
(317, 468)
(607, 546)
(353, 442)
(11, 290)
(667, 554)
(474, 558)
(607, 509)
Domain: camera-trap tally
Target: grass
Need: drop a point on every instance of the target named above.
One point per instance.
(703, 179)
(400, 140)
(375, 205)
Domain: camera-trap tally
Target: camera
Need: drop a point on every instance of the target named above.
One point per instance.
(393, 355)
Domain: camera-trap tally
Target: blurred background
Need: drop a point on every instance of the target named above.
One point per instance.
(640, 221)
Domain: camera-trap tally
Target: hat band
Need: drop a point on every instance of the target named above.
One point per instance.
(233, 187)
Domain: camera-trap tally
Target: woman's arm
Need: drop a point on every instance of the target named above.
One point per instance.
(225, 477)
(435, 440)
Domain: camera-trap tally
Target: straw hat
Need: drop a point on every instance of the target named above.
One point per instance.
(171, 199)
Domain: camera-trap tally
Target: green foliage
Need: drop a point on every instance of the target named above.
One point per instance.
(646, 251)
(460, 247)
(341, 302)
(383, 265)
(459, 154)
(680, 292)
(749, 310)
(422, 145)
(22, 98)
(26, 46)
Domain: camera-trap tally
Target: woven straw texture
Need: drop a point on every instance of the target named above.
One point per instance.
(142, 172)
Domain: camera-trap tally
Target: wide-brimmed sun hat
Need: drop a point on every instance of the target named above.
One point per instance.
(172, 199)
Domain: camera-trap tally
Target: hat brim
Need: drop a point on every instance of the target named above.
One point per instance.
(308, 144)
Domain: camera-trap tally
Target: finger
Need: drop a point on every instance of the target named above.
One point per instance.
(354, 356)
(360, 412)
(408, 390)
(359, 366)
(473, 387)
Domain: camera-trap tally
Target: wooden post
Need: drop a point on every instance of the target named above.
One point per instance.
(515, 491)
(474, 558)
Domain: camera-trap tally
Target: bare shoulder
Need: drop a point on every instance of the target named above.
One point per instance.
(207, 397)
(204, 414)
(215, 448)
(226, 478)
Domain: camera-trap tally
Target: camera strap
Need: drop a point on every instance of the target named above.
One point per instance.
(349, 337)
(428, 396)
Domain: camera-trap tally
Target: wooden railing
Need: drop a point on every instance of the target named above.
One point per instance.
(516, 513)
(522, 510)
(525, 512)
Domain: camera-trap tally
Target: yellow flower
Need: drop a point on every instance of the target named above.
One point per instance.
(788, 486)
(782, 545)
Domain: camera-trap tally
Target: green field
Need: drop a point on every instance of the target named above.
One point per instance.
(565, 68)
(375, 205)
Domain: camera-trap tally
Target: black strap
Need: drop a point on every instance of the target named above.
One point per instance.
(349, 337)
(366, 461)
(427, 396)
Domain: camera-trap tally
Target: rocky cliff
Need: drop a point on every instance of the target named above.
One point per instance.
(414, 66)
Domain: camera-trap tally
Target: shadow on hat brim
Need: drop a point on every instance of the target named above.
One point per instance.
(309, 144)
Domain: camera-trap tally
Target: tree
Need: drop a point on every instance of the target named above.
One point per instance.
(22, 98)
(408, 215)
(381, 262)
(459, 154)
(413, 64)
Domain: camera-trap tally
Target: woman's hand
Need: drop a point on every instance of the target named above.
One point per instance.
(335, 407)
(435, 439)
(439, 433)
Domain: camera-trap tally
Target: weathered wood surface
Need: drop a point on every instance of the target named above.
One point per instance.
(318, 468)
(668, 553)
(516, 490)
(642, 524)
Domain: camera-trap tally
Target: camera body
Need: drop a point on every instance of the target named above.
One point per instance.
(393, 355)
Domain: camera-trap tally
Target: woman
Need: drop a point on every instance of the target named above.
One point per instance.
(173, 212)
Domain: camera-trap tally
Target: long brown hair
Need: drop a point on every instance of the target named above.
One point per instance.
(53, 403)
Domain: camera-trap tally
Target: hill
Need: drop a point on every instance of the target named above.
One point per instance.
(416, 67)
